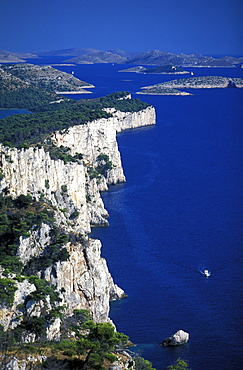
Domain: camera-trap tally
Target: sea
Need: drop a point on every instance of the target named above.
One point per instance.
(179, 212)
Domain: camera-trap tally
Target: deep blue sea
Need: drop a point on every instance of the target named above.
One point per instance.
(10, 112)
(179, 212)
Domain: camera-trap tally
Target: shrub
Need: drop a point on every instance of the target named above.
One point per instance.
(23, 201)
(64, 188)
(82, 316)
(17, 218)
(35, 324)
(69, 353)
(7, 290)
(142, 364)
(43, 289)
(74, 215)
(178, 365)
(47, 185)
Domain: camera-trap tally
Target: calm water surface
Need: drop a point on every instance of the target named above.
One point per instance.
(11, 112)
(179, 211)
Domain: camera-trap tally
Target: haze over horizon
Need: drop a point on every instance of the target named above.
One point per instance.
(189, 26)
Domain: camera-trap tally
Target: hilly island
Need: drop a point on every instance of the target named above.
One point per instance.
(153, 57)
(55, 287)
(205, 82)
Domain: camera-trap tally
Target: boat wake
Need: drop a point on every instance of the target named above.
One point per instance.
(205, 272)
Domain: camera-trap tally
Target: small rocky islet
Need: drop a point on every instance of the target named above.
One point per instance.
(208, 82)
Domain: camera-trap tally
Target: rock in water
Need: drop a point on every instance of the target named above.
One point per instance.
(177, 339)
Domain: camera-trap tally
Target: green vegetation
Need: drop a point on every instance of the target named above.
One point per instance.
(178, 365)
(169, 68)
(43, 289)
(103, 166)
(42, 77)
(34, 324)
(53, 253)
(64, 188)
(26, 129)
(62, 153)
(17, 217)
(118, 101)
(21, 129)
(7, 290)
(27, 97)
(142, 364)
(47, 185)
(93, 347)
(95, 344)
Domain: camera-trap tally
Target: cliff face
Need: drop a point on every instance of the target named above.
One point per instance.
(70, 189)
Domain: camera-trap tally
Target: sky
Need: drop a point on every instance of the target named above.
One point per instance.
(208, 27)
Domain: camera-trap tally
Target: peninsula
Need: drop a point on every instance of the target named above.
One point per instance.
(45, 77)
(55, 287)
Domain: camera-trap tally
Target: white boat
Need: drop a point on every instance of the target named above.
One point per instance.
(206, 273)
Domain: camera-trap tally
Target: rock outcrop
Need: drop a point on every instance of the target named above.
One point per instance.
(177, 339)
(73, 194)
(124, 362)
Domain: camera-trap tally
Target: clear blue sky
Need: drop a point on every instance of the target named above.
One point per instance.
(210, 27)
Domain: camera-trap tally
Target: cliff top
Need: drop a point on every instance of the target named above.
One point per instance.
(25, 129)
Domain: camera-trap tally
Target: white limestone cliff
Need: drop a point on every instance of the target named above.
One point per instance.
(83, 281)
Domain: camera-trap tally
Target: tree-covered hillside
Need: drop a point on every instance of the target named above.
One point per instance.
(15, 93)
(45, 77)
(25, 129)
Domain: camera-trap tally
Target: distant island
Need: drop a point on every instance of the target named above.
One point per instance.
(208, 82)
(9, 57)
(164, 69)
(156, 58)
(24, 85)
(43, 77)
(160, 90)
(116, 56)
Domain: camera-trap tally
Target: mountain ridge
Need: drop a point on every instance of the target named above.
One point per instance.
(117, 56)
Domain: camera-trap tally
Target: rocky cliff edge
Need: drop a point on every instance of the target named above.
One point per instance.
(72, 192)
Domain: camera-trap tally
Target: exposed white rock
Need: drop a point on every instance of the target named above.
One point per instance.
(53, 330)
(124, 361)
(177, 339)
(34, 245)
(17, 364)
(38, 308)
(9, 315)
(99, 136)
(29, 171)
(83, 280)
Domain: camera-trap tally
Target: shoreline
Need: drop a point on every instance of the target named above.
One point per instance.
(171, 94)
(73, 92)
